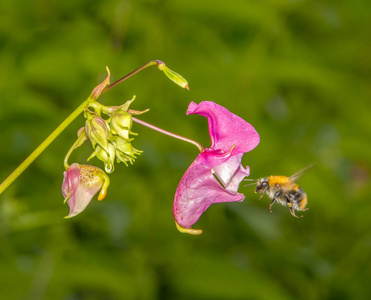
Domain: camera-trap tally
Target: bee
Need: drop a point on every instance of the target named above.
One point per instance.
(283, 190)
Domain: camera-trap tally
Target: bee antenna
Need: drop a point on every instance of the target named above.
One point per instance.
(249, 180)
(250, 184)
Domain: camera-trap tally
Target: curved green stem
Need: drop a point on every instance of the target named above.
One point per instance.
(80, 140)
(29, 160)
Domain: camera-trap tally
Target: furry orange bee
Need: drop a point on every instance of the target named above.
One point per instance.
(283, 190)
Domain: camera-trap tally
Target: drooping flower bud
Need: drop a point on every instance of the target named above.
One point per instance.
(125, 152)
(174, 76)
(97, 131)
(107, 157)
(80, 184)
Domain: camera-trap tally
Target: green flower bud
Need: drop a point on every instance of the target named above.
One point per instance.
(107, 157)
(97, 131)
(174, 76)
(125, 152)
(121, 121)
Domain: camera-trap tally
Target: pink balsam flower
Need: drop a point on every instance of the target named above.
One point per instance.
(199, 187)
(80, 184)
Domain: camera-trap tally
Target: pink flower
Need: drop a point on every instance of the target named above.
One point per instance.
(216, 173)
(80, 184)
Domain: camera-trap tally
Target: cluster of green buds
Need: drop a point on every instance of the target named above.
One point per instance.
(111, 138)
(109, 129)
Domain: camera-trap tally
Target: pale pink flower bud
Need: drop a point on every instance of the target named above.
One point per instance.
(80, 184)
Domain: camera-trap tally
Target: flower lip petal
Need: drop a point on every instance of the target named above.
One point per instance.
(197, 190)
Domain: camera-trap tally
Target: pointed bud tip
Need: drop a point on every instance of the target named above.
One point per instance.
(97, 91)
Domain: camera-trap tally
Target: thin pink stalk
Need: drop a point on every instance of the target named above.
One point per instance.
(176, 136)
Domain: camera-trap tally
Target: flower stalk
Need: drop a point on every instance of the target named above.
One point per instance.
(177, 78)
(176, 136)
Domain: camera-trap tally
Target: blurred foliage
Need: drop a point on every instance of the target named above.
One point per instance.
(297, 70)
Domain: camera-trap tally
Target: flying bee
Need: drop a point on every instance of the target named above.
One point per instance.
(284, 190)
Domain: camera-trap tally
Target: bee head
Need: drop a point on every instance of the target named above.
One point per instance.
(261, 185)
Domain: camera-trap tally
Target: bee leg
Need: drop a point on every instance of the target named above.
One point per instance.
(276, 195)
(292, 211)
(271, 204)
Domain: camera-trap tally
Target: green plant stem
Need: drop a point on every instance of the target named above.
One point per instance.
(29, 160)
(176, 136)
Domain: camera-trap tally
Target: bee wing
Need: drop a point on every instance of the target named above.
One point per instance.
(297, 175)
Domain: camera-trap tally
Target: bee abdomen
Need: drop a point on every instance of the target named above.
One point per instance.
(298, 198)
(296, 195)
(303, 203)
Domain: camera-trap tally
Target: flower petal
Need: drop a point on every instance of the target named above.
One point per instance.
(231, 172)
(70, 179)
(198, 189)
(225, 128)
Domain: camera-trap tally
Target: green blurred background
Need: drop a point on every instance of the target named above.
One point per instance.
(297, 70)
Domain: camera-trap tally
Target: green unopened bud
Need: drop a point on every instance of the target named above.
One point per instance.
(125, 152)
(121, 121)
(107, 157)
(97, 131)
(174, 76)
